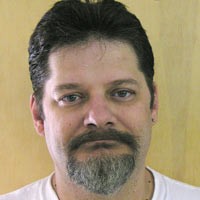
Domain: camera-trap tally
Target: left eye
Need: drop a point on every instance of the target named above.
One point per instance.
(122, 94)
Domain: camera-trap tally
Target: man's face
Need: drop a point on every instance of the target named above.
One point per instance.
(95, 88)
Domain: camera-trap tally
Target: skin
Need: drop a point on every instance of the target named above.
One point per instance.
(96, 85)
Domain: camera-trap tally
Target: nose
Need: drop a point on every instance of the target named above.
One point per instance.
(99, 115)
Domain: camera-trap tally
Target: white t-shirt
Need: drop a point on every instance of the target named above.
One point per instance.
(165, 189)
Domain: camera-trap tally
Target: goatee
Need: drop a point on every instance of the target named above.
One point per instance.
(102, 174)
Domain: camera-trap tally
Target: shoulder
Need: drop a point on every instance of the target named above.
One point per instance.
(39, 190)
(172, 189)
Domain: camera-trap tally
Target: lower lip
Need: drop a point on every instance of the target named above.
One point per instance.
(101, 142)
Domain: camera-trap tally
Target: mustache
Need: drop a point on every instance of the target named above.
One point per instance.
(109, 134)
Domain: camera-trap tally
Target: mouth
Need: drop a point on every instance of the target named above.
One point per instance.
(110, 140)
(100, 144)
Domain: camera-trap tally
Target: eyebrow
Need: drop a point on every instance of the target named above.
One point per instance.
(74, 86)
(67, 86)
(124, 81)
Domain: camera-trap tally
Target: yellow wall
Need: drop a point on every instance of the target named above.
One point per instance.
(174, 30)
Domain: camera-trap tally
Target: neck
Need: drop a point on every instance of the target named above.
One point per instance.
(139, 187)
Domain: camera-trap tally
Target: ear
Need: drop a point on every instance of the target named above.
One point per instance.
(154, 109)
(37, 118)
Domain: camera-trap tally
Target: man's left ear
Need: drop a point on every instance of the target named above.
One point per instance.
(154, 108)
(36, 115)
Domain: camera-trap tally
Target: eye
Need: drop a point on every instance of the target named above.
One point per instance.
(123, 94)
(70, 99)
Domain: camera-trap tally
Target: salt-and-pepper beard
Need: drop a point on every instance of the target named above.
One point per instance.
(103, 174)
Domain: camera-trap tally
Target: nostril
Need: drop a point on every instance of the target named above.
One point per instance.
(109, 124)
(91, 125)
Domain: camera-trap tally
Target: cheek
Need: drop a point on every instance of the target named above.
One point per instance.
(137, 119)
(61, 127)
(58, 132)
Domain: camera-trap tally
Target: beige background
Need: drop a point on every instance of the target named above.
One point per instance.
(173, 27)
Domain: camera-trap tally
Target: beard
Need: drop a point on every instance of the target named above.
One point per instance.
(103, 174)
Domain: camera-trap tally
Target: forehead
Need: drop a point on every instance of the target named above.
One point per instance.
(95, 48)
(94, 60)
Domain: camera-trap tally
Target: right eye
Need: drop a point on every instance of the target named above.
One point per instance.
(70, 99)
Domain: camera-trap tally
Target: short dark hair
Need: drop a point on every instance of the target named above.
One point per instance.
(70, 22)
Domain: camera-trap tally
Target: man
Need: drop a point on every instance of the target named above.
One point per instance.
(95, 102)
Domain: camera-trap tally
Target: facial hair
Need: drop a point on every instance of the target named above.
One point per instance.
(104, 174)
